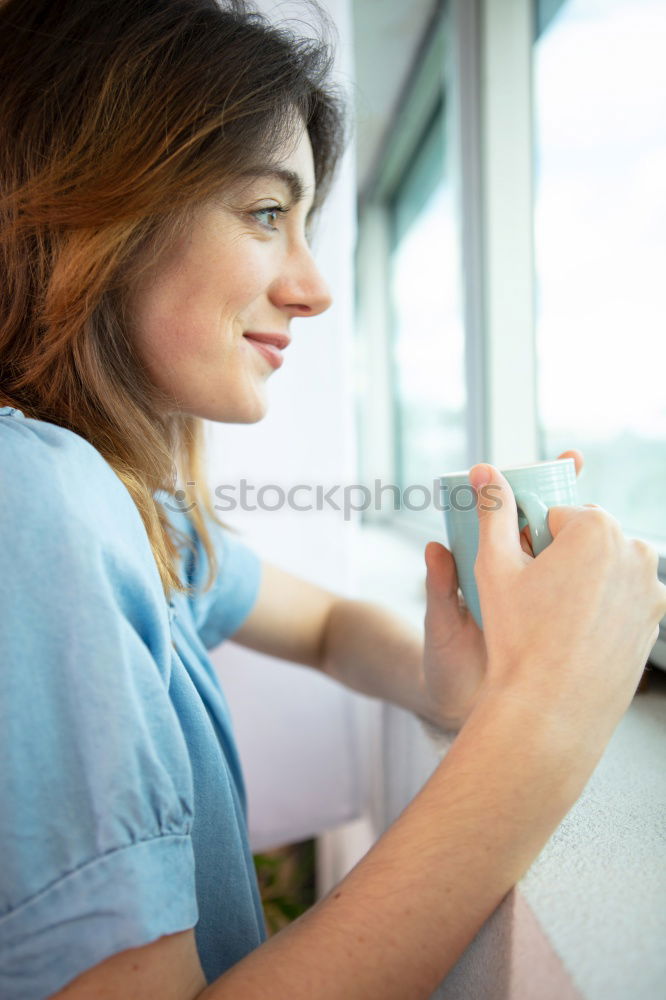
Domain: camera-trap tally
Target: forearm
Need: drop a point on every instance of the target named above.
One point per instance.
(399, 921)
(373, 651)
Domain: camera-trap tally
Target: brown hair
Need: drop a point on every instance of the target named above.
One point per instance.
(117, 119)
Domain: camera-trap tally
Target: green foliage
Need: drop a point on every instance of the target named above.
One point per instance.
(286, 878)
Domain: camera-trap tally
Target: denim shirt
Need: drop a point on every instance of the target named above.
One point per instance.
(123, 813)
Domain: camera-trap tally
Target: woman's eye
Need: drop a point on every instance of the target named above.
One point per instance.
(271, 213)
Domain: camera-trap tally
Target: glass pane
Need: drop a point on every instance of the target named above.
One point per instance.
(428, 335)
(600, 100)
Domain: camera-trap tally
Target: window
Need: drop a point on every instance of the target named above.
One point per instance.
(428, 339)
(556, 151)
(600, 224)
(417, 266)
(517, 322)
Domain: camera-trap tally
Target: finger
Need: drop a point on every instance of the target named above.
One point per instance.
(497, 514)
(442, 577)
(559, 517)
(526, 541)
(444, 608)
(526, 533)
(527, 548)
(577, 456)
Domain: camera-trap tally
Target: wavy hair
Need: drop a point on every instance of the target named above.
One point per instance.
(118, 118)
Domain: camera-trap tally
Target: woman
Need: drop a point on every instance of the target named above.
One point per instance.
(162, 162)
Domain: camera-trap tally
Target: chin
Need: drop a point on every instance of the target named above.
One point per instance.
(253, 419)
(249, 412)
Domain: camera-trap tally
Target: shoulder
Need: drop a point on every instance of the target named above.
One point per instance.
(65, 511)
(219, 611)
(56, 474)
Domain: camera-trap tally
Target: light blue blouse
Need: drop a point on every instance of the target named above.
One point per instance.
(122, 803)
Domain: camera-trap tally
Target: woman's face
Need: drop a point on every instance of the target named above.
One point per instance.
(245, 268)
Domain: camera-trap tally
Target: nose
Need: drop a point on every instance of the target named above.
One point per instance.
(300, 288)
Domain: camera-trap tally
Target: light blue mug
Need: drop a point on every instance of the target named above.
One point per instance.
(536, 487)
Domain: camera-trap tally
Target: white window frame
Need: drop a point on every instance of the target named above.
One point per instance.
(377, 446)
(487, 56)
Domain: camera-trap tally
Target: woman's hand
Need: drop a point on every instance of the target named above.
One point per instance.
(454, 660)
(567, 634)
(526, 534)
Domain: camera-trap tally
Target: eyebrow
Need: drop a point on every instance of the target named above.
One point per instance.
(289, 178)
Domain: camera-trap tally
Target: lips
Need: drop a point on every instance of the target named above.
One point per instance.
(269, 345)
(279, 340)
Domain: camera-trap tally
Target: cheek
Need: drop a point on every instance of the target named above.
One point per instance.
(242, 277)
(216, 288)
(175, 312)
(196, 307)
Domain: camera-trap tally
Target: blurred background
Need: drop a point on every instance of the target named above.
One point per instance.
(496, 243)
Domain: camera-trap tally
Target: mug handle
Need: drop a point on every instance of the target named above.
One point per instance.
(536, 514)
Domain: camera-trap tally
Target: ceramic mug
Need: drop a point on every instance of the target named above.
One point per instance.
(536, 487)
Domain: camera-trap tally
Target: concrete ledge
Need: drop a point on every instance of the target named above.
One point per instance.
(510, 957)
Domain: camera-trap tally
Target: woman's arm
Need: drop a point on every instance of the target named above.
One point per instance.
(358, 643)
(370, 649)
(288, 619)
(399, 921)
(401, 918)
(568, 635)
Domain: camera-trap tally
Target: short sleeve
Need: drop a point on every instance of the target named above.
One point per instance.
(221, 610)
(95, 777)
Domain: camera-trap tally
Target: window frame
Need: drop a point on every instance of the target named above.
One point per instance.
(379, 444)
(486, 71)
(459, 51)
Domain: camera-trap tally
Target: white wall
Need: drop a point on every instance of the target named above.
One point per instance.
(297, 731)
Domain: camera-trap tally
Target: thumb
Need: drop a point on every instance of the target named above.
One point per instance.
(497, 513)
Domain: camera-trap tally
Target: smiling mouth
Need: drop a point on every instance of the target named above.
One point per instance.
(269, 351)
(280, 340)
